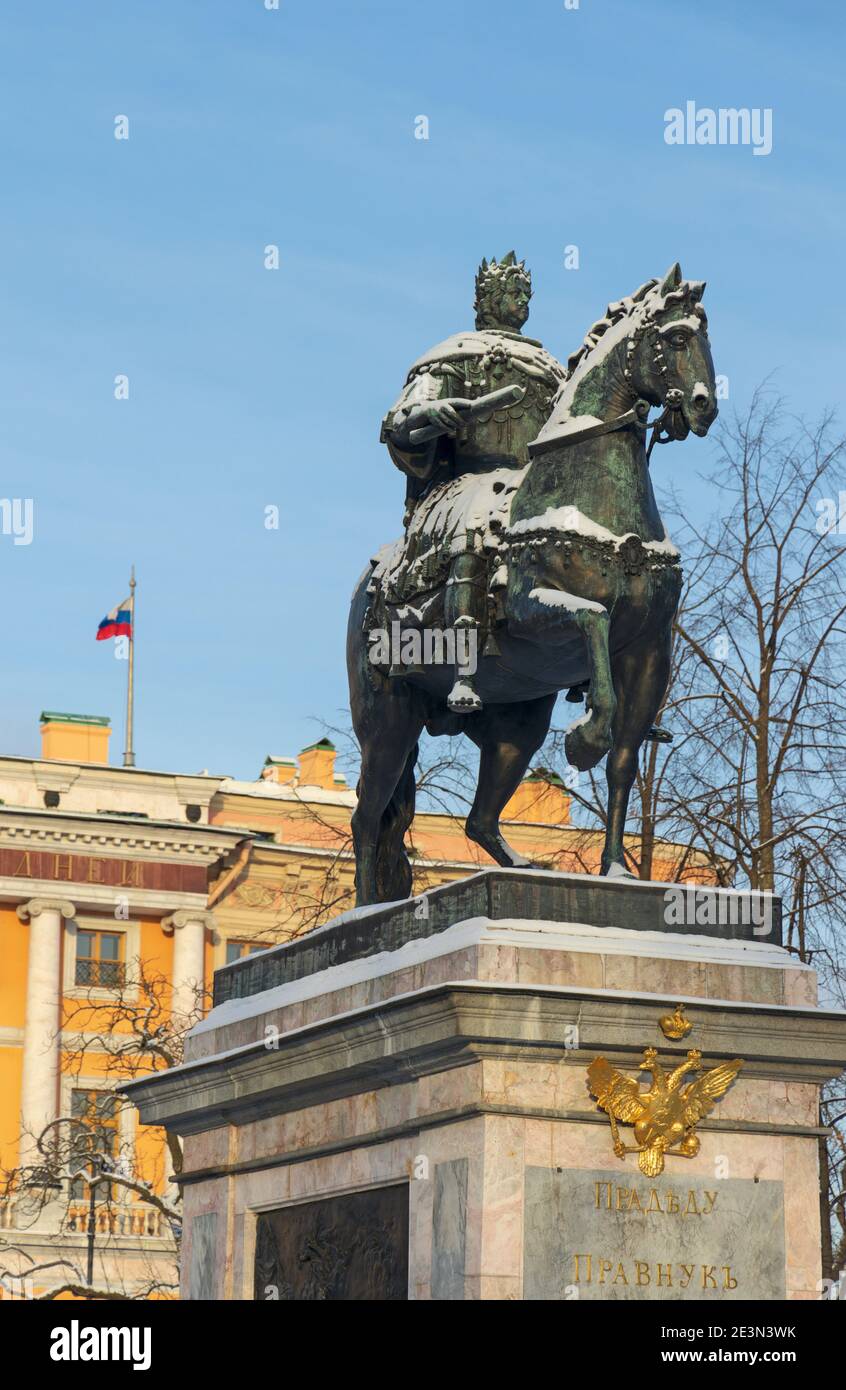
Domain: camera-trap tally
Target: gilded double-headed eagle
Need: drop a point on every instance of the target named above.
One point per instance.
(665, 1115)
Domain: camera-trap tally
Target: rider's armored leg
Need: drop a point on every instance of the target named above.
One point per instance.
(465, 607)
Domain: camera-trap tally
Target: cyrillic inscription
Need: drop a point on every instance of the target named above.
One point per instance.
(602, 1235)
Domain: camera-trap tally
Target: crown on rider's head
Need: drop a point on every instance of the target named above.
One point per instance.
(491, 279)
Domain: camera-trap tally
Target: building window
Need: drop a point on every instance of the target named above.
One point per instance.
(99, 959)
(237, 950)
(96, 1116)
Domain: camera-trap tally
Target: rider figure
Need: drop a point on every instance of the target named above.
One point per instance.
(440, 387)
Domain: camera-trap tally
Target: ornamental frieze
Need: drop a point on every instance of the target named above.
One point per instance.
(114, 873)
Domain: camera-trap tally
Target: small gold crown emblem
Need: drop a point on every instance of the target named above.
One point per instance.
(675, 1025)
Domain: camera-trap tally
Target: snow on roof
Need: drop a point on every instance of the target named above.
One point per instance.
(284, 791)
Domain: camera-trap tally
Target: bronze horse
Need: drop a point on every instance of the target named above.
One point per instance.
(589, 586)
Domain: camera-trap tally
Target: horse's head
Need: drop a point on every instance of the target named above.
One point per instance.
(668, 356)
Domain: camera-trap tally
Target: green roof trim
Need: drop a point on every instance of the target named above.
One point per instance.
(51, 716)
(270, 761)
(543, 774)
(323, 744)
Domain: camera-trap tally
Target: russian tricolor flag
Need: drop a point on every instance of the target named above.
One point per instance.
(118, 623)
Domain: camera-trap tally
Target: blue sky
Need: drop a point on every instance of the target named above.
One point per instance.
(251, 387)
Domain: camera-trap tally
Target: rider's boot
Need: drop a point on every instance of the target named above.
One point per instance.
(464, 698)
(465, 606)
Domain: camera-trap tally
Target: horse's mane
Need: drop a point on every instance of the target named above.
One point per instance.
(627, 308)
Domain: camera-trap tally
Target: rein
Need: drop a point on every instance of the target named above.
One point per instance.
(660, 433)
(637, 416)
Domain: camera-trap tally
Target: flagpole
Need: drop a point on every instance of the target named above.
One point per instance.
(129, 752)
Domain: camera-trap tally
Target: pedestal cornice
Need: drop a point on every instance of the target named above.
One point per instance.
(453, 1025)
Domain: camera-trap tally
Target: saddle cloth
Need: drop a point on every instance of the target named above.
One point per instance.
(461, 515)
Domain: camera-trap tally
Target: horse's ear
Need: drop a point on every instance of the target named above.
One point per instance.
(697, 289)
(672, 279)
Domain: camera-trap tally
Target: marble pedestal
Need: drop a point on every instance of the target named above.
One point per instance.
(396, 1106)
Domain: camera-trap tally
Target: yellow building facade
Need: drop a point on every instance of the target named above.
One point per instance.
(121, 891)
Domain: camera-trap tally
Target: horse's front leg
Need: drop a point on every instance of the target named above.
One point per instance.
(641, 672)
(540, 610)
(589, 738)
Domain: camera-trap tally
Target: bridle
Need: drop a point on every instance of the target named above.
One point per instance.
(638, 414)
(672, 397)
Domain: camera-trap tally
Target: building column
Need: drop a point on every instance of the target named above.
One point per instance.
(40, 1079)
(188, 927)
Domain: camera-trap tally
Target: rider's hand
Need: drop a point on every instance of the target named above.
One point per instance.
(444, 415)
(447, 414)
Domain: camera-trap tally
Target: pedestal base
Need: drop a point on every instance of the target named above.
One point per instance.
(416, 1123)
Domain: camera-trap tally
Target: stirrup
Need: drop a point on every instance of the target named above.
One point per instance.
(463, 699)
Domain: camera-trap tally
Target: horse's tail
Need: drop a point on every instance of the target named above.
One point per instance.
(393, 866)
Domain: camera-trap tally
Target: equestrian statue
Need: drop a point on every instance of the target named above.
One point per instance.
(534, 559)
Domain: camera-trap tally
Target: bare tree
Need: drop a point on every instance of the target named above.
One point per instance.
(764, 620)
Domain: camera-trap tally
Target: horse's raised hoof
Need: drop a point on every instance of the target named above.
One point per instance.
(462, 699)
(586, 744)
